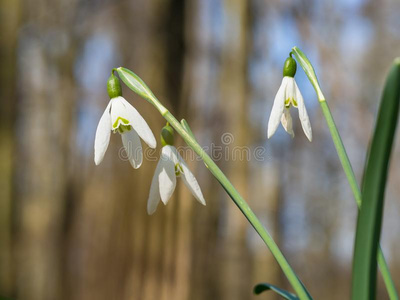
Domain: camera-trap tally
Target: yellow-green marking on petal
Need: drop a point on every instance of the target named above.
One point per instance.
(124, 128)
(125, 121)
(289, 102)
(178, 170)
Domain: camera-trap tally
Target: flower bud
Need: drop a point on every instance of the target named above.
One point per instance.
(289, 67)
(167, 135)
(114, 86)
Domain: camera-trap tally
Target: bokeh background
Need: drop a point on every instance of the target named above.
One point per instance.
(71, 230)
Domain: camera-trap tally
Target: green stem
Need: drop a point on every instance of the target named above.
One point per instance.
(387, 278)
(344, 159)
(135, 83)
(351, 178)
(243, 206)
(341, 151)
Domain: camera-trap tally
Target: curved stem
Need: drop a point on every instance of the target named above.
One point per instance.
(136, 84)
(243, 206)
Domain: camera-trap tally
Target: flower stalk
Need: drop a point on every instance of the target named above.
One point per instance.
(138, 86)
(344, 159)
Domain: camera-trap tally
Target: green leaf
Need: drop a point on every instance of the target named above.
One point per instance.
(135, 83)
(261, 287)
(373, 188)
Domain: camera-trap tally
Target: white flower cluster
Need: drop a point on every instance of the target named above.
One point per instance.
(120, 116)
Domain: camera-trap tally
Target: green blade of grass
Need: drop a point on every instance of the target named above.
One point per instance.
(369, 220)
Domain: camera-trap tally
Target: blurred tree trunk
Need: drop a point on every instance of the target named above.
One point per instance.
(9, 24)
(234, 97)
(203, 114)
(43, 142)
(146, 257)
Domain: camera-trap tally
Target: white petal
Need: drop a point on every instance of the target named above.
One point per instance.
(287, 123)
(167, 177)
(118, 111)
(277, 109)
(102, 138)
(154, 195)
(133, 148)
(189, 179)
(140, 125)
(305, 121)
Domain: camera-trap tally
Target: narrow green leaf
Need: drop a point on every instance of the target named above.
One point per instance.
(261, 287)
(373, 188)
(135, 83)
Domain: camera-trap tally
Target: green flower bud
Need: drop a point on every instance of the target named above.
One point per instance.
(114, 86)
(167, 135)
(289, 67)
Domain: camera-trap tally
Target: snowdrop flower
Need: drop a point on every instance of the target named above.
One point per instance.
(170, 166)
(123, 118)
(288, 95)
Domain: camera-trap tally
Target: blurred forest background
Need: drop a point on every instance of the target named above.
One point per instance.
(70, 230)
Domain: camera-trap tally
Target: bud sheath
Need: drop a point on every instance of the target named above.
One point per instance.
(167, 135)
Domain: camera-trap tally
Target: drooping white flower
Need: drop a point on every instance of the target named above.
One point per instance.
(288, 95)
(170, 166)
(120, 116)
